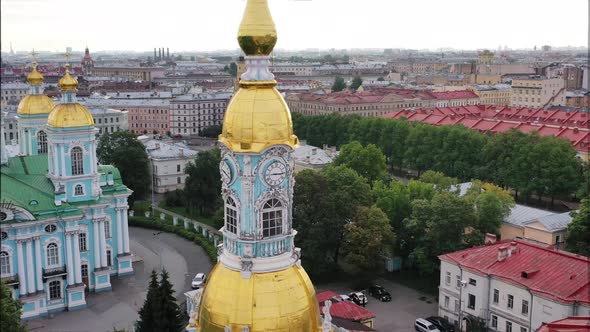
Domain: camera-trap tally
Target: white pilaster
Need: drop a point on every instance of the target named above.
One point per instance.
(21, 268)
(54, 157)
(119, 231)
(63, 159)
(38, 269)
(103, 245)
(30, 152)
(96, 245)
(30, 266)
(77, 266)
(92, 158)
(125, 231)
(70, 261)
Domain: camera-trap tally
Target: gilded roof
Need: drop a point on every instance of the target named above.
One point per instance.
(35, 104)
(256, 118)
(67, 82)
(275, 301)
(70, 115)
(257, 34)
(35, 77)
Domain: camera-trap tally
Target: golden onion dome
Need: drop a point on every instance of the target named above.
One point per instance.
(256, 118)
(257, 34)
(35, 77)
(275, 301)
(70, 115)
(67, 82)
(35, 104)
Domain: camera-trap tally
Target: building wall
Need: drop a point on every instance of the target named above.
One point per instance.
(536, 93)
(12, 93)
(169, 173)
(535, 231)
(189, 117)
(508, 231)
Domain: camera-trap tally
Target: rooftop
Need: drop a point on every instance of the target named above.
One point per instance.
(569, 324)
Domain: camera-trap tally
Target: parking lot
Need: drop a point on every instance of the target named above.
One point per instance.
(398, 315)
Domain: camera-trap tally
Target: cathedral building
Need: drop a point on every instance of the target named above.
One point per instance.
(63, 217)
(258, 283)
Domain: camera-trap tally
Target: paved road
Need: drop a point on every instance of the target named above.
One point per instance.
(119, 308)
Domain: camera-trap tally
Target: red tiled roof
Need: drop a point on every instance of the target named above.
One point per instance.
(462, 94)
(558, 275)
(349, 310)
(569, 324)
(325, 295)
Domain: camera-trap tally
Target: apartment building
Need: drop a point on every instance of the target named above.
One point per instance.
(455, 98)
(499, 94)
(191, 113)
(513, 286)
(542, 226)
(146, 74)
(537, 91)
(109, 120)
(169, 161)
(12, 93)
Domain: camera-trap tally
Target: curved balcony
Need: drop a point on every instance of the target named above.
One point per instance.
(260, 248)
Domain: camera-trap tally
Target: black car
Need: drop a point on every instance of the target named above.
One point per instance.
(442, 324)
(379, 293)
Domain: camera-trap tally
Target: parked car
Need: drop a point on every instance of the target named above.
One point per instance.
(345, 297)
(422, 325)
(442, 324)
(359, 298)
(198, 280)
(380, 293)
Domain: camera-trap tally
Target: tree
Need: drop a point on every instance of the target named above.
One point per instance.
(211, 131)
(367, 238)
(339, 84)
(440, 181)
(10, 311)
(123, 150)
(148, 313)
(233, 69)
(356, 83)
(169, 317)
(203, 184)
(578, 230)
(367, 161)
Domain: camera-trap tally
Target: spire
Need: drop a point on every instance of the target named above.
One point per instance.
(257, 34)
(67, 82)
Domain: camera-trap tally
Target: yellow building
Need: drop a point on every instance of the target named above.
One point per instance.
(540, 226)
(535, 91)
(493, 95)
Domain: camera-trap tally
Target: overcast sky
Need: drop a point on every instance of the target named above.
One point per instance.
(201, 25)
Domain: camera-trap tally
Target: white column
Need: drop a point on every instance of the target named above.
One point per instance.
(30, 142)
(96, 245)
(70, 262)
(103, 245)
(125, 231)
(21, 267)
(30, 266)
(77, 266)
(55, 163)
(38, 264)
(63, 159)
(119, 231)
(92, 152)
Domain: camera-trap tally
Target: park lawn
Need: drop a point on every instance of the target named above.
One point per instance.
(188, 214)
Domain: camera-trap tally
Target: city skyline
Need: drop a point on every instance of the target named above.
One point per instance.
(126, 26)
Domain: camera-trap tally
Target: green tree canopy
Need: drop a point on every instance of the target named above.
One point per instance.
(339, 84)
(169, 318)
(10, 311)
(367, 161)
(211, 131)
(440, 181)
(203, 184)
(151, 307)
(356, 83)
(578, 230)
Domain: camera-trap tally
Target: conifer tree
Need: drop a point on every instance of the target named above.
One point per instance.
(169, 317)
(148, 313)
(10, 311)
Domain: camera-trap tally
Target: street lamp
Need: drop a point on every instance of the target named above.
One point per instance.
(463, 284)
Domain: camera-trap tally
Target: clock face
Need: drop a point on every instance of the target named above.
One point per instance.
(226, 172)
(275, 173)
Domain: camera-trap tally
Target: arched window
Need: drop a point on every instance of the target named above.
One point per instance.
(78, 190)
(77, 161)
(4, 263)
(231, 216)
(55, 290)
(272, 218)
(52, 255)
(42, 142)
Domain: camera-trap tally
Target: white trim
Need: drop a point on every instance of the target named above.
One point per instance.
(9, 252)
(46, 244)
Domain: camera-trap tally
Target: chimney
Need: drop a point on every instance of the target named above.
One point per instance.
(157, 145)
(154, 54)
(159, 53)
(512, 248)
(502, 253)
(167, 53)
(490, 238)
(314, 151)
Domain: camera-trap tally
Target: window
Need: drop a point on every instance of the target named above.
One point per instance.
(109, 258)
(78, 190)
(52, 255)
(447, 301)
(458, 282)
(496, 296)
(471, 302)
(107, 229)
(472, 282)
(523, 329)
(178, 180)
(508, 326)
(50, 228)
(178, 168)
(272, 218)
(3, 235)
(55, 290)
(457, 306)
(231, 216)
(84, 270)
(42, 142)
(495, 321)
(510, 301)
(77, 161)
(82, 242)
(525, 307)
(4, 263)
(448, 278)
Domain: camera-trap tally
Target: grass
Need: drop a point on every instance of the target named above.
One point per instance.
(425, 283)
(188, 214)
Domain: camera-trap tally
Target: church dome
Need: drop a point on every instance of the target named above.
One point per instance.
(256, 118)
(67, 82)
(35, 77)
(70, 115)
(35, 104)
(257, 34)
(275, 301)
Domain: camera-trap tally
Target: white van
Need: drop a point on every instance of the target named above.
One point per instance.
(422, 325)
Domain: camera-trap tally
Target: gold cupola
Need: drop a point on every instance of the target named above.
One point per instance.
(257, 116)
(69, 113)
(35, 102)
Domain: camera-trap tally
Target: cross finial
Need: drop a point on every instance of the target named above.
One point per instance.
(34, 54)
(67, 55)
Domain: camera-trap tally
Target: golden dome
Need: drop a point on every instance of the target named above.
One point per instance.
(274, 301)
(35, 104)
(35, 77)
(70, 115)
(257, 34)
(67, 82)
(256, 118)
